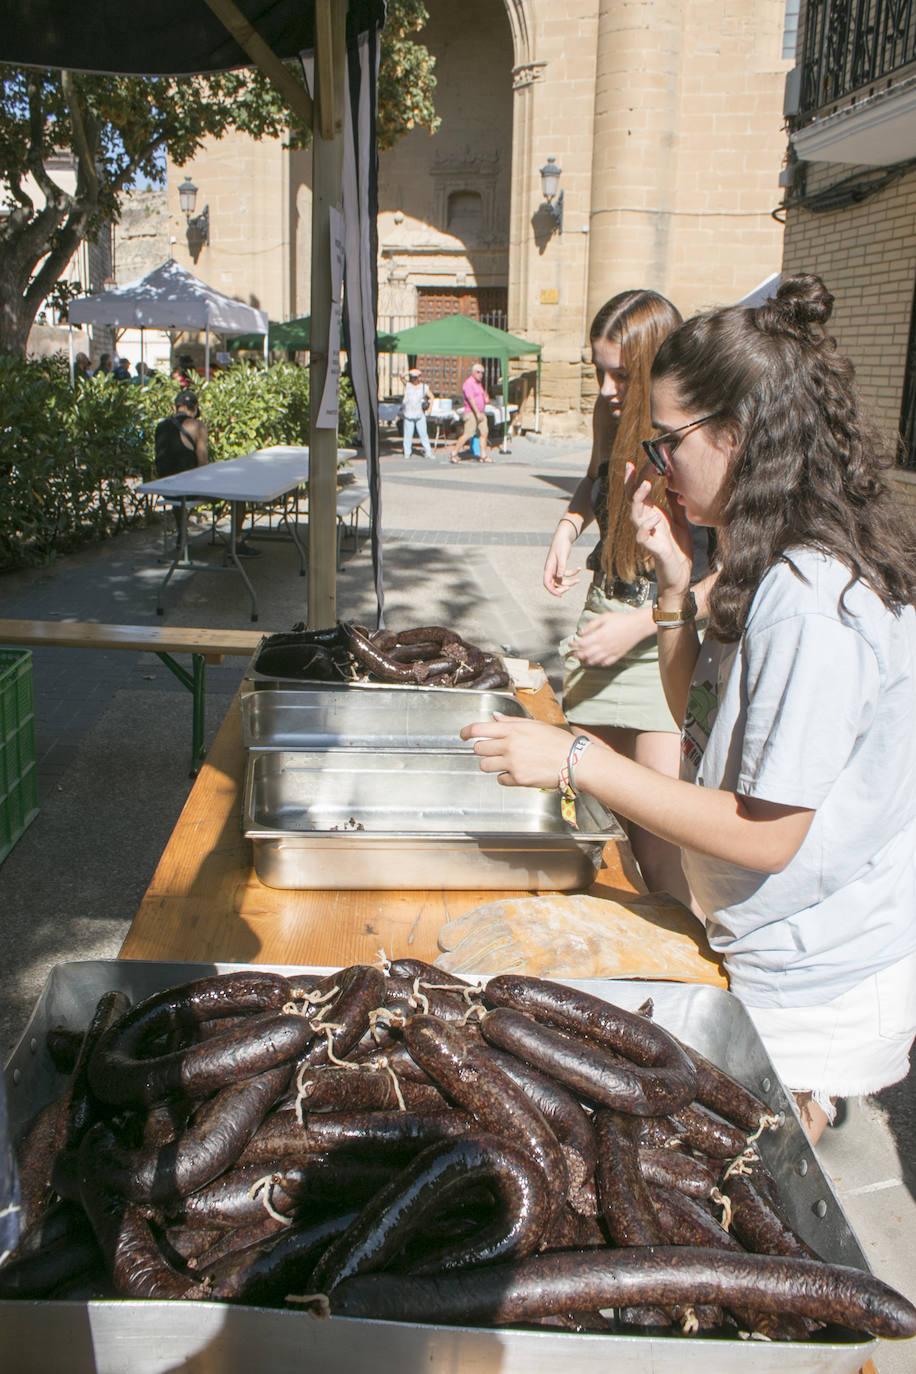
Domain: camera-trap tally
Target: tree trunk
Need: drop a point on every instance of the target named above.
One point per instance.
(16, 314)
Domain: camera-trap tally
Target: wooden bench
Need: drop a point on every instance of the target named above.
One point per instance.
(350, 501)
(204, 646)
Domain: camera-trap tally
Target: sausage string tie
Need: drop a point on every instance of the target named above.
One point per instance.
(294, 1009)
(689, 1323)
(329, 1030)
(768, 1122)
(264, 1186)
(741, 1164)
(468, 991)
(315, 998)
(318, 1302)
(724, 1201)
(382, 961)
(475, 1009)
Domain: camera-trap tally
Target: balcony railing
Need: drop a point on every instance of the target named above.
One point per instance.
(849, 45)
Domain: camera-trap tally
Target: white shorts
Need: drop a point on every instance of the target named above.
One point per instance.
(856, 1044)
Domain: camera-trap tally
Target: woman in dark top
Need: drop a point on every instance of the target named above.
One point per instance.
(181, 439)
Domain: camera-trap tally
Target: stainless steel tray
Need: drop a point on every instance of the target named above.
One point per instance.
(319, 718)
(109, 1337)
(255, 681)
(347, 818)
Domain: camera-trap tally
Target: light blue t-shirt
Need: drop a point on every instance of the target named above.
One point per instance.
(815, 707)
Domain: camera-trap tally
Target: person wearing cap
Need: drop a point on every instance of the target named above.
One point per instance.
(475, 416)
(181, 443)
(415, 403)
(181, 439)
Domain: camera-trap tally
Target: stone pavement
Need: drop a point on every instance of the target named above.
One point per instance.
(464, 545)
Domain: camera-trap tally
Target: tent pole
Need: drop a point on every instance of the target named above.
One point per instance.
(207, 349)
(70, 343)
(266, 351)
(505, 405)
(537, 401)
(142, 359)
(327, 191)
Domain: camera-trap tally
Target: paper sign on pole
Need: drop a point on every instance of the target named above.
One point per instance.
(327, 414)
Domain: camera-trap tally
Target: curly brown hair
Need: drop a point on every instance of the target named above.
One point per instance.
(637, 322)
(808, 470)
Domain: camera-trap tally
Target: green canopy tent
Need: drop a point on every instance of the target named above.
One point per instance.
(460, 336)
(295, 334)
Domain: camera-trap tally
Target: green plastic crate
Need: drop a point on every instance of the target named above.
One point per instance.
(18, 780)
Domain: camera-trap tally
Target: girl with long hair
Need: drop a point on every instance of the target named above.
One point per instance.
(611, 684)
(795, 810)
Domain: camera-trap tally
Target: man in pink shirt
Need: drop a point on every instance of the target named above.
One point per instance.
(475, 416)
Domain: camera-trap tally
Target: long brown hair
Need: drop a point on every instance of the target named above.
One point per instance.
(637, 322)
(807, 469)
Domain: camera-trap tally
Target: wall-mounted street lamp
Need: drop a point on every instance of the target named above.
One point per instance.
(199, 226)
(550, 184)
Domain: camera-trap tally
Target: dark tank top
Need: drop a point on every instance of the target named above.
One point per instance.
(172, 453)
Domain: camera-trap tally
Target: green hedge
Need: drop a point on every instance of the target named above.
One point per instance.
(70, 460)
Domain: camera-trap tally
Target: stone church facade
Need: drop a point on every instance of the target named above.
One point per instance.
(665, 120)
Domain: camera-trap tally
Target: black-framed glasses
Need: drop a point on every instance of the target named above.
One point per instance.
(660, 450)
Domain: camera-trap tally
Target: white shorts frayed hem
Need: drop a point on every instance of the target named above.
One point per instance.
(854, 1045)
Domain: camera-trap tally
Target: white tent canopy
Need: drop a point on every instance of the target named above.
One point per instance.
(170, 297)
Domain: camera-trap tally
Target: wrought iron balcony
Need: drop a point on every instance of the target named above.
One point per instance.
(850, 48)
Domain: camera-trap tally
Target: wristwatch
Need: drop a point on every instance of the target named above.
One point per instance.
(684, 616)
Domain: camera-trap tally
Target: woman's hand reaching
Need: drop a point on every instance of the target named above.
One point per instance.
(525, 753)
(609, 637)
(559, 578)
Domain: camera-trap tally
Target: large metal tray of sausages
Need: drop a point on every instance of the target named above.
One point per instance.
(362, 818)
(264, 672)
(103, 1336)
(387, 718)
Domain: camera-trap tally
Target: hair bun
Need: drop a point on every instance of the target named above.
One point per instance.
(802, 306)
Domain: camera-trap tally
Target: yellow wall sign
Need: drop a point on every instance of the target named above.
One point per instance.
(550, 297)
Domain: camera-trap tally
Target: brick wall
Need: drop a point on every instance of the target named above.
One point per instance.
(866, 254)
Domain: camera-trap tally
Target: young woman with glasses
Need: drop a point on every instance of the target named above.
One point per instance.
(795, 810)
(611, 683)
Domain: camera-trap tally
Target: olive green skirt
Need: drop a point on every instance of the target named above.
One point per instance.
(628, 694)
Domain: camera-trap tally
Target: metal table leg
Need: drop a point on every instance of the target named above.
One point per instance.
(235, 529)
(196, 683)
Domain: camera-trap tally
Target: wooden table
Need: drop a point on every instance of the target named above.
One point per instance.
(205, 902)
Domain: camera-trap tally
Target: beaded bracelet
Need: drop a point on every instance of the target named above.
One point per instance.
(565, 785)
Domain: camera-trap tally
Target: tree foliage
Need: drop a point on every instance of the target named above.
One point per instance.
(114, 129)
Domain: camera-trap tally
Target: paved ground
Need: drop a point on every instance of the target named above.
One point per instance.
(463, 545)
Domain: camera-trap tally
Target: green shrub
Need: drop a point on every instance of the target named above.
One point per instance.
(70, 460)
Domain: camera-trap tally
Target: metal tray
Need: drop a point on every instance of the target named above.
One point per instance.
(255, 681)
(108, 1337)
(320, 718)
(348, 818)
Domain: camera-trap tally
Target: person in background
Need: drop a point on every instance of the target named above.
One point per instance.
(795, 810)
(181, 444)
(476, 423)
(181, 439)
(104, 367)
(122, 372)
(611, 683)
(417, 400)
(183, 372)
(142, 374)
(82, 370)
